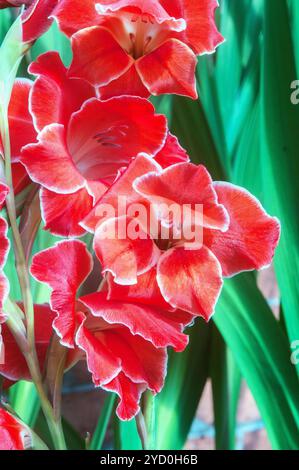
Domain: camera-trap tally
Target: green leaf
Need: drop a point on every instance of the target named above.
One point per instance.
(11, 53)
(127, 435)
(248, 157)
(5, 23)
(294, 18)
(226, 384)
(73, 440)
(53, 40)
(279, 144)
(103, 422)
(261, 351)
(24, 400)
(176, 405)
(256, 340)
(189, 123)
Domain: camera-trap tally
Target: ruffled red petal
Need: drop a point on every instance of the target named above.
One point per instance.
(171, 153)
(190, 280)
(252, 236)
(196, 188)
(169, 69)
(54, 96)
(153, 8)
(63, 268)
(62, 212)
(21, 127)
(13, 434)
(73, 15)
(4, 190)
(201, 33)
(128, 84)
(129, 394)
(49, 162)
(121, 188)
(113, 353)
(37, 19)
(98, 57)
(141, 319)
(121, 254)
(146, 291)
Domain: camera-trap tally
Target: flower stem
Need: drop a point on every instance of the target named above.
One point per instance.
(54, 423)
(18, 246)
(142, 431)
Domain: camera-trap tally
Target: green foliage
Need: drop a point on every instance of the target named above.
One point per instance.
(245, 130)
(279, 144)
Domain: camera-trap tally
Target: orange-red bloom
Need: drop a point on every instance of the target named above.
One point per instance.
(139, 47)
(236, 233)
(117, 330)
(83, 142)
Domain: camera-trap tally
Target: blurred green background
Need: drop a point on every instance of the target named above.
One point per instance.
(245, 129)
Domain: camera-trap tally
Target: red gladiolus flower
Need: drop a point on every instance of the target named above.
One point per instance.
(237, 234)
(14, 435)
(139, 47)
(83, 142)
(125, 351)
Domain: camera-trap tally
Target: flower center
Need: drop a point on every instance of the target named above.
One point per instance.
(137, 33)
(141, 29)
(101, 155)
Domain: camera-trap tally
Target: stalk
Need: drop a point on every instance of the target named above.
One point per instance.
(54, 422)
(141, 429)
(21, 265)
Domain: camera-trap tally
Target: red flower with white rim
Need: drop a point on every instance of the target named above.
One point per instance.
(139, 47)
(125, 351)
(83, 142)
(237, 234)
(14, 435)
